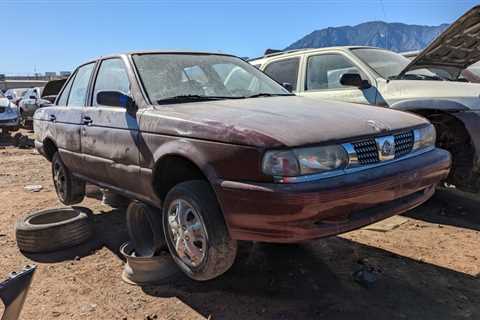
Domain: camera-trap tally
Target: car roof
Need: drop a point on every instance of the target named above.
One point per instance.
(130, 53)
(307, 50)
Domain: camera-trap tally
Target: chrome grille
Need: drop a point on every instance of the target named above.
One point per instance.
(403, 143)
(367, 151)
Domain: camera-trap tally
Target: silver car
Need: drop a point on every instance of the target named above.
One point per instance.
(431, 85)
(9, 115)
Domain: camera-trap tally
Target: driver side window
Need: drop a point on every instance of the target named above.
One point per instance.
(112, 76)
(324, 71)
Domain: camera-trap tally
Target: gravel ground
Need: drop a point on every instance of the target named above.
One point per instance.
(426, 268)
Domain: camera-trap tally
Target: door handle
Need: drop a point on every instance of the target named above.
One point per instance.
(52, 118)
(87, 120)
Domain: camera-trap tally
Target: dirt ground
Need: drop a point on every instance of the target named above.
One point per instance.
(427, 268)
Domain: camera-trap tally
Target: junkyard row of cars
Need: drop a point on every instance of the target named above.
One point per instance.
(223, 152)
(17, 106)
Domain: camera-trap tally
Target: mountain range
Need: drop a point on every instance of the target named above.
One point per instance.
(398, 37)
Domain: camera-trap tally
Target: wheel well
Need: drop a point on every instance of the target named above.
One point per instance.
(171, 170)
(454, 137)
(50, 148)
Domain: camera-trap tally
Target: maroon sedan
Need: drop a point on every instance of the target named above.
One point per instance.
(225, 153)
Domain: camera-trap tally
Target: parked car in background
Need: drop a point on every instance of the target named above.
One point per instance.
(431, 86)
(9, 115)
(226, 154)
(39, 97)
(29, 103)
(15, 95)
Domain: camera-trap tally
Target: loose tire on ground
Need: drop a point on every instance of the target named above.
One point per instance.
(221, 250)
(70, 190)
(144, 224)
(52, 229)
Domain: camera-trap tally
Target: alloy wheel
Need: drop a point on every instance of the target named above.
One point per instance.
(187, 232)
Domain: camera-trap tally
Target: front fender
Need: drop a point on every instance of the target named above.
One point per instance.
(189, 151)
(429, 104)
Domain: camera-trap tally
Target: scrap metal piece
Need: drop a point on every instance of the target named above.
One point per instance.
(14, 290)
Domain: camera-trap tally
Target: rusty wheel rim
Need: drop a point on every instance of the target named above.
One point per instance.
(60, 180)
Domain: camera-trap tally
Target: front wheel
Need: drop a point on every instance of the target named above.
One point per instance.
(70, 190)
(195, 230)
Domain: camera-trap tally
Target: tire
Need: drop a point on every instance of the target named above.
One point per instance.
(52, 229)
(144, 224)
(70, 190)
(214, 245)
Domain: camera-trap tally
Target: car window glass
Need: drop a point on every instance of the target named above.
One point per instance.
(234, 77)
(284, 71)
(78, 92)
(324, 71)
(195, 73)
(112, 76)
(62, 100)
(172, 75)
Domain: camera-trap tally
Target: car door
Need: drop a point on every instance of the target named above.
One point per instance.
(110, 133)
(322, 76)
(67, 117)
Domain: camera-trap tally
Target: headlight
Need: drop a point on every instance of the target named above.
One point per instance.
(424, 137)
(304, 161)
(280, 163)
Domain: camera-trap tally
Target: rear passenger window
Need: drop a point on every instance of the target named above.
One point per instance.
(62, 100)
(284, 71)
(112, 76)
(78, 91)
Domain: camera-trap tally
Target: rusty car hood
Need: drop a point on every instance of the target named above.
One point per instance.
(273, 121)
(454, 49)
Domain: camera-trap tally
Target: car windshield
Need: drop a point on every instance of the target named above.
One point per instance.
(175, 78)
(389, 64)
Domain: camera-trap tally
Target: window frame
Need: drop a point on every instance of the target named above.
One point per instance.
(364, 72)
(95, 77)
(300, 63)
(72, 78)
(67, 83)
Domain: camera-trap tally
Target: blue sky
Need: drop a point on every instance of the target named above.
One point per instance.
(58, 35)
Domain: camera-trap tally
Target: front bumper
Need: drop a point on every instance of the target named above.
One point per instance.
(9, 122)
(272, 212)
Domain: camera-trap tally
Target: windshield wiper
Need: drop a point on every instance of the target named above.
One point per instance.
(265, 94)
(192, 98)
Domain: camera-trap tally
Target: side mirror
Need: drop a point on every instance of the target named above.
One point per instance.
(354, 80)
(287, 86)
(116, 99)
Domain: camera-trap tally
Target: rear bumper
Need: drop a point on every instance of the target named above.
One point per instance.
(296, 212)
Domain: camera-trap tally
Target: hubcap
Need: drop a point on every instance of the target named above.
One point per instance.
(187, 232)
(59, 180)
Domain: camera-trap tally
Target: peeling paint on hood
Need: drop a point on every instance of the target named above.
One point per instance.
(273, 121)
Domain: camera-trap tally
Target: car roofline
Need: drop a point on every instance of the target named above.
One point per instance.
(310, 50)
(131, 53)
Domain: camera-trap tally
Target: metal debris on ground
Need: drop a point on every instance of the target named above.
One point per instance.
(387, 224)
(33, 188)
